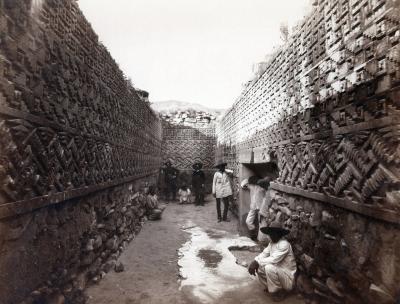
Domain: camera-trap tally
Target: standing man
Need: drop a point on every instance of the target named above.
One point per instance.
(276, 265)
(171, 180)
(222, 189)
(263, 213)
(257, 194)
(198, 182)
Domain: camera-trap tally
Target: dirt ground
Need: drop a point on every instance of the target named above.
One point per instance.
(184, 258)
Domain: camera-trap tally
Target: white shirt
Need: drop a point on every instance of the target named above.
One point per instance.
(257, 194)
(184, 194)
(279, 254)
(264, 208)
(221, 184)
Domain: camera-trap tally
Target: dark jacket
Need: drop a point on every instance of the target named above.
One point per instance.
(171, 175)
(198, 179)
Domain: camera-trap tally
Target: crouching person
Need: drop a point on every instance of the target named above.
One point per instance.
(276, 265)
(153, 209)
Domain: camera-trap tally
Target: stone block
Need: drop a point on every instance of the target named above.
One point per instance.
(109, 265)
(304, 284)
(335, 287)
(119, 267)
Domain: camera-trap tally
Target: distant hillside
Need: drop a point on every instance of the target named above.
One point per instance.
(171, 106)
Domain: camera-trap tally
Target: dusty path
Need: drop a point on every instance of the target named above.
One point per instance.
(190, 236)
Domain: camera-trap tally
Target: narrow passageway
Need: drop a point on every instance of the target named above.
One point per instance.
(185, 258)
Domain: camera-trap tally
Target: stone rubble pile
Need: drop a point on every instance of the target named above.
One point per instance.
(111, 221)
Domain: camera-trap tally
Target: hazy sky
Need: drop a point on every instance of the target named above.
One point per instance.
(191, 50)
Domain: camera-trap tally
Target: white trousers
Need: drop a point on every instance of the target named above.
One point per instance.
(262, 237)
(275, 278)
(251, 217)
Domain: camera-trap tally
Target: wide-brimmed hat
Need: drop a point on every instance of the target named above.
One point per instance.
(220, 163)
(253, 180)
(197, 165)
(265, 182)
(275, 227)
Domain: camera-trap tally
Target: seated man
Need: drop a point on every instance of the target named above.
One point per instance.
(184, 195)
(153, 210)
(276, 265)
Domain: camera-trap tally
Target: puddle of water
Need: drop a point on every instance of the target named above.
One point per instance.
(210, 257)
(207, 266)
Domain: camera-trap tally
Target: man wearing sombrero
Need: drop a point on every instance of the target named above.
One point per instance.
(276, 265)
(171, 180)
(221, 189)
(198, 181)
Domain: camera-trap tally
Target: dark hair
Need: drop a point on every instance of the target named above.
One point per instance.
(253, 180)
(152, 190)
(265, 182)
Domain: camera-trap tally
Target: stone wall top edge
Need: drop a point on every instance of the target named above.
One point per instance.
(25, 206)
(376, 213)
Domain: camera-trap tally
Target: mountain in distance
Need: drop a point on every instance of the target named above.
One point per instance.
(173, 106)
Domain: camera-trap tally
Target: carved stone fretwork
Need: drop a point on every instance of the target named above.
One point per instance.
(327, 105)
(69, 118)
(184, 147)
(361, 167)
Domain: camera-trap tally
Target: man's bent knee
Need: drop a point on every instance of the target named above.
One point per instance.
(270, 268)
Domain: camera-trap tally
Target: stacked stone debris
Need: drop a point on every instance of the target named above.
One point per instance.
(326, 109)
(76, 144)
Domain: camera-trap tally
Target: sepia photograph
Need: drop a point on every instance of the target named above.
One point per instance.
(199, 151)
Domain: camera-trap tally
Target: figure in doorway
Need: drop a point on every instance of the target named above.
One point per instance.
(198, 184)
(257, 194)
(263, 214)
(222, 189)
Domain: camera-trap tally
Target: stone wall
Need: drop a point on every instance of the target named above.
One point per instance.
(186, 145)
(55, 252)
(76, 145)
(326, 111)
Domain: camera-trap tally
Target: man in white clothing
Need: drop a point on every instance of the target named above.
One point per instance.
(276, 265)
(263, 213)
(257, 194)
(222, 189)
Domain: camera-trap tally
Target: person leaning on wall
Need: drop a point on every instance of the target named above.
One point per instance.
(263, 213)
(257, 194)
(222, 189)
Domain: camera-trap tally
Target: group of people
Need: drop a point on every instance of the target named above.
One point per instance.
(276, 265)
(171, 179)
(221, 186)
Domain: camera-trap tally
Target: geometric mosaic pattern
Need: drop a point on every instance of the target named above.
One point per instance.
(186, 146)
(326, 105)
(69, 118)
